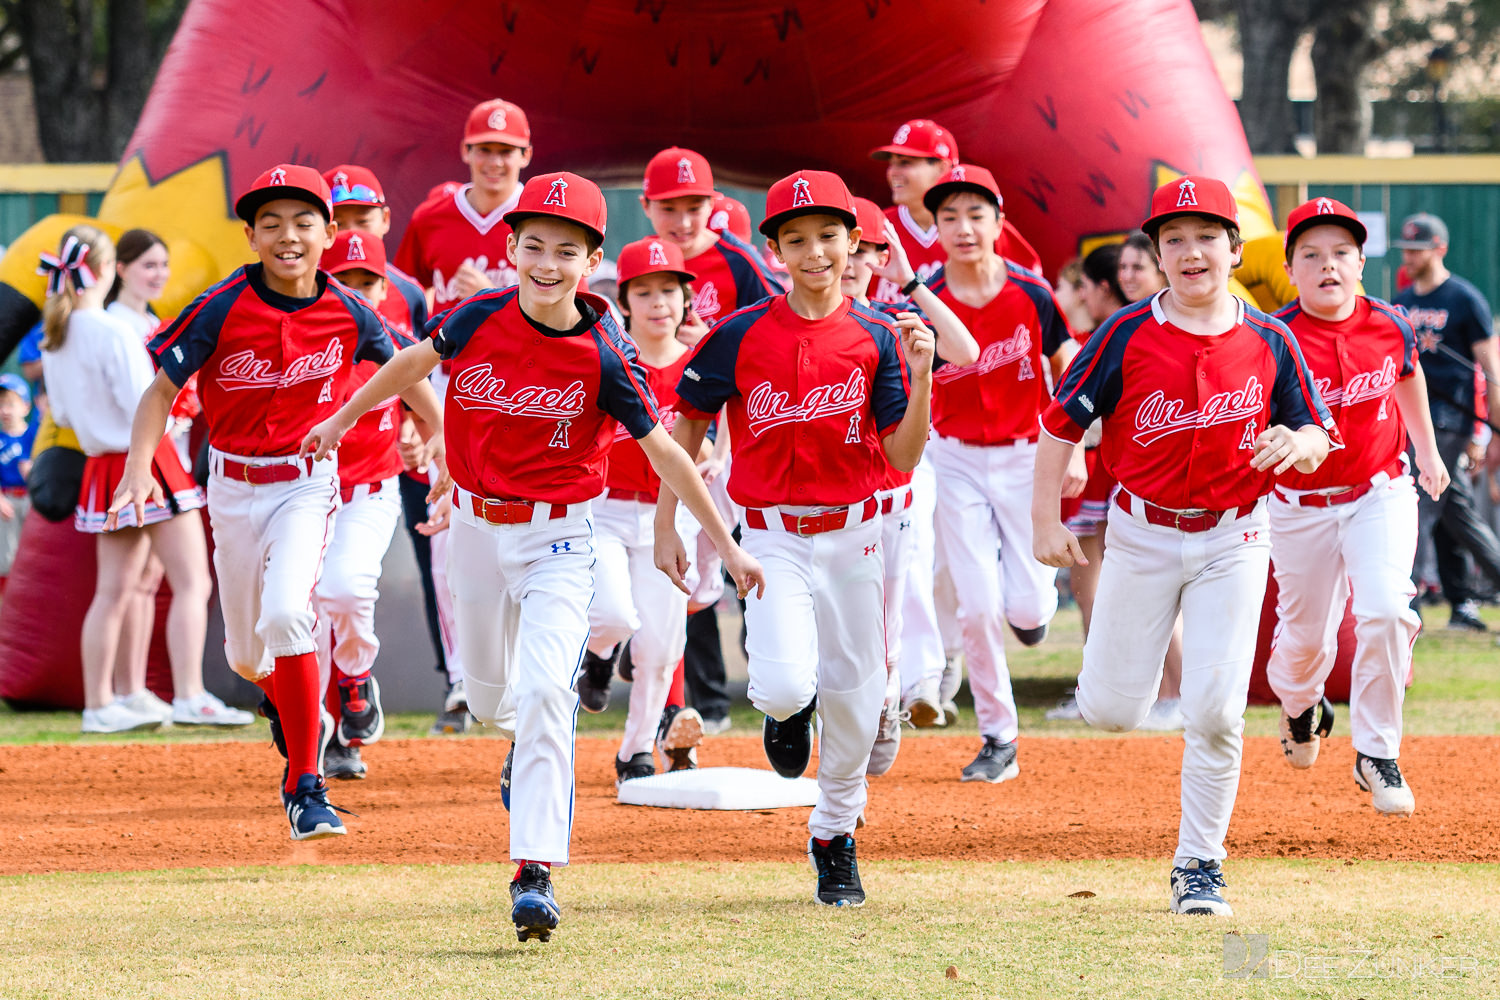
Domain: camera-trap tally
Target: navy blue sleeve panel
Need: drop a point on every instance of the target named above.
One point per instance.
(624, 392)
(1294, 400)
(378, 341)
(708, 382)
(753, 280)
(890, 310)
(451, 330)
(181, 347)
(938, 279)
(1094, 380)
(411, 293)
(890, 390)
(1055, 332)
(1381, 308)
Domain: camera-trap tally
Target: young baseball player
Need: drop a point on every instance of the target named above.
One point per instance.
(274, 344)
(540, 376)
(1351, 526)
(369, 506)
(985, 416)
(17, 434)
(819, 399)
(1204, 400)
(880, 254)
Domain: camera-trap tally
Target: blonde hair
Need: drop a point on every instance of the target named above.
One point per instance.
(59, 307)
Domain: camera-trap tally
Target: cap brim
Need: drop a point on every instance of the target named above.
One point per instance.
(519, 141)
(771, 226)
(935, 194)
(354, 266)
(1414, 245)
(251, 202)
(886, 152)
(1355, 227)
(514, 219)
(1151, 225)
(359, 203)
(686, 276)
(682, 193)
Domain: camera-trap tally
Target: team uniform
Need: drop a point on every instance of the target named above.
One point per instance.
(985, 419)
(448, 233)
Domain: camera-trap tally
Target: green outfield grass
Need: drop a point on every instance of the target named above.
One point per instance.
(1456, 692)
(1332, 930)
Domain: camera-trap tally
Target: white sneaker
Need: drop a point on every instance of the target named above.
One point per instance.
(1066, 710)
(887, 740)
(921, 704)
(144, 702)
(457, 699)
(1165, 716)
(117, 717)
(1390, 794)
(953, 679)
(207, 710)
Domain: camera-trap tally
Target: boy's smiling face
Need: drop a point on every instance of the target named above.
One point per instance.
(551, 256)
(815, 250)
(289, 237)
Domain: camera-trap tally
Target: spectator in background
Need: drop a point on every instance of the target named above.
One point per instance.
(1069, 293)
(1454, 331)
(1139, 276)
(17, 434)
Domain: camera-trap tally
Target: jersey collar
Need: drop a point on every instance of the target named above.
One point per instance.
(926, 237)
(484, 223)
(1158, 314)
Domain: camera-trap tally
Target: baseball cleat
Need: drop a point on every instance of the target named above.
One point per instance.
(510, 760)
(995, 763)
(1381, 777)
(788, 743)
(1196, 890)
(1465, 618)
(361, 721)
(922, 705)
(594, 679)
(309, 812)
(887, 740)
(837, 871)
(533, 909)
(453, 720)
(343, 762)
(641, 765)
(1300, 739)
(677, 737)
(1029, 636)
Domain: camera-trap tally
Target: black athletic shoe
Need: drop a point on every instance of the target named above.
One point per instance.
(789, 743)
(642, 765)
(1300, 738)
(1466, 618)
(510, 759)
(343, 762)
(838, 872)
(533, 908)
(594, 680)
(677, 737)
(1029, 636)
(361, 721)
(995, 763)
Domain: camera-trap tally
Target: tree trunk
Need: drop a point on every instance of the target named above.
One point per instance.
(132, 65)
(1268, 32)
(1344, 45)
(58, 36)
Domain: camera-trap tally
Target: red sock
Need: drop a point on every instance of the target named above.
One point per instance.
(523, 863)
(821, 842)
(297, 701)
(267, 685)
(331, 695)
(674, 693)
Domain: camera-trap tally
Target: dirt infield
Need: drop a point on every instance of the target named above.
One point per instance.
(144, 806)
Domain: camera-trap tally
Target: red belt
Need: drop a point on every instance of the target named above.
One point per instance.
(511, 511)
(812, 524)
(640, 496)
(1348, 495)
(1168, 518)
(1000, 444)
(261, 475)
(888, 502)
(14, 491)
(346, 493)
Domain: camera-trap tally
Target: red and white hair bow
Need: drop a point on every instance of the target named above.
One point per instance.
(70, 264)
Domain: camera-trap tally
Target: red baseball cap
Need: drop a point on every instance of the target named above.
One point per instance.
(650, 256)
(807, 192)
(354, 185)
(964, 177)
(677, 173)
(561, 196)
(1192, 195)
(922, 138)
(352, 249)
(497, 121)
(730, 215)
(871, 222)
(286, 180)
(1323, 212)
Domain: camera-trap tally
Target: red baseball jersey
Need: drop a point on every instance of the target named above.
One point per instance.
(1355, 365)
(731, 275)
(926, 254)
(530, 412)
(629, 469)
(269, 366)
(807, 404)
(998, 399)
(1181, 412)
(894, 478)
(445, 234)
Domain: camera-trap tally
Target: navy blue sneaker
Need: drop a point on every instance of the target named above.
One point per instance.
(1197, 889)
(510, 759)
(788, 743)
(532, 907)
(309, 812)
(838, 872)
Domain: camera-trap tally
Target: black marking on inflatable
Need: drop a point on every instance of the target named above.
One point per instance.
(496, 60)
(251, 86)
(872, 7)
(1133, 103)
(508, 18)
(1109, 140)
(588, 60)
(1097, 185)
(652, 7)
(250, 130)
(1037, 189)
(762, 69)
(715, 53)
(674, 52)
(1048, 113)
(784, 22)
(312, 88)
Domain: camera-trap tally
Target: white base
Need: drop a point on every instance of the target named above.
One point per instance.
(720, 788)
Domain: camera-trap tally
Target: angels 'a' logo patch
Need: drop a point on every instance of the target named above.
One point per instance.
(1186, 196)
(557, 194)
(356, 248)
(657, 255)
(685, 171)
(278, 177)
(801, 193)
(1325, 206)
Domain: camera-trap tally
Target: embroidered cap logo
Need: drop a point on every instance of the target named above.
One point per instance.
(801, 193)
(497, 119)
(356, 248)
(341, 179)
(960, 174)
(278, 177)
(557, 194)
(1186, 195)
(1325, 207)
(658, 255)
(685, 171)
(902, 134)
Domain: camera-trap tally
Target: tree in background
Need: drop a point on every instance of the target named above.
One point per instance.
(91, 66)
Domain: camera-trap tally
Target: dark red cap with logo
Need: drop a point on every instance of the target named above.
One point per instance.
(921, 138)
(351, 184)
(497, 121)
(286, 180)
(651, 256)
(1323, 212)
(807, 192)
(562, 196)
(871, 222)
(964, 177)
(730, 215)
(353, 249)
(677, 173)
(1192, 195)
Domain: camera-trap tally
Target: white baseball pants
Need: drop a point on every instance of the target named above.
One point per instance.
(636, 602)
(710, 568)
(921, 643)
(1217, 579)
(521, 596)
(453, 661)
(350, 584)
(1319, 554)
(815, 633)
(268, 552)
(984, 504)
